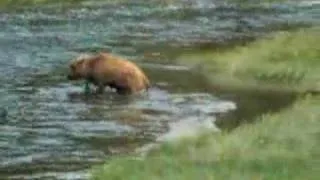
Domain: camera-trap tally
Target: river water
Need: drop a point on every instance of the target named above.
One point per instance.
(53, 131)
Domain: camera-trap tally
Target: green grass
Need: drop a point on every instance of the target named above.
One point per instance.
(283, 145)
(285, 61)
(279, 146)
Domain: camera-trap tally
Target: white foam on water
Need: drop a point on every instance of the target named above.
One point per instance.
(192, 124)
(184, 128)
(309, 3)
(189, 127)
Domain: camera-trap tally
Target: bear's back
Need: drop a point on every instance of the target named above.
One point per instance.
(119, 70)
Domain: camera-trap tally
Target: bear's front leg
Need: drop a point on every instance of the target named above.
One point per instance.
(87, 88)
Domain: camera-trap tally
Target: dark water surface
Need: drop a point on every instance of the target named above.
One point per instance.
(53, 131)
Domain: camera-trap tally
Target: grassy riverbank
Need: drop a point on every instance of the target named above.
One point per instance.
(277, 146)
(283, 61)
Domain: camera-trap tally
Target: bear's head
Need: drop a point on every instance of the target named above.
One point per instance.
(78, 67)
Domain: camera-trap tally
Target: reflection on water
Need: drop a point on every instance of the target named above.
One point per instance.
(51, 129)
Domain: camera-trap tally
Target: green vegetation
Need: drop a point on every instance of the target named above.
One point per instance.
(284, 61)
(283, 145)
(280, 146)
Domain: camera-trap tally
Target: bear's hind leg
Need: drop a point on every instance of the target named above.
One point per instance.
(119, 89)
(122, 90)
(100, 89)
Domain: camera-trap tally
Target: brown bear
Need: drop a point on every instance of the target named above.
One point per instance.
(104, 69)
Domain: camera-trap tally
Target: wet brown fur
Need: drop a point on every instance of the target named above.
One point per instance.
(104, 69)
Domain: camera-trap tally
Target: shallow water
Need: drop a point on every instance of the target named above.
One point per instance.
(53, 130)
